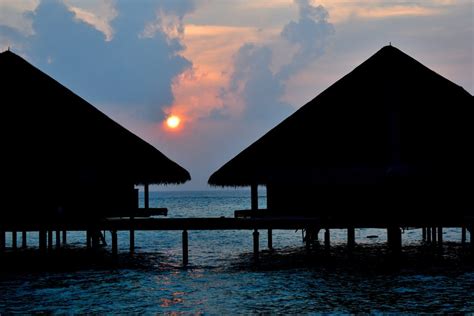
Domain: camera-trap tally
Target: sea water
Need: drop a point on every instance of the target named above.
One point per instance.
(223, 279)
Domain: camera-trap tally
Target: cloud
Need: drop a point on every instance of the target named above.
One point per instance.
(127, 74)
(169, 19)
(17, 15)
(311, 33)
(98, 14)
(258, 89)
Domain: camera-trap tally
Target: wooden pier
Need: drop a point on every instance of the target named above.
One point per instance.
(432, 229)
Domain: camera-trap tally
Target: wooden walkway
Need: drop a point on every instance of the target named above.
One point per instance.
(432, 230)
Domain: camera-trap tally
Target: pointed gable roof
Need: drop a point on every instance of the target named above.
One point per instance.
(389, 111)
(48, 132)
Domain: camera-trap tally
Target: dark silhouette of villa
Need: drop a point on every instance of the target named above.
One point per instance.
(391, 140)
(62, 158)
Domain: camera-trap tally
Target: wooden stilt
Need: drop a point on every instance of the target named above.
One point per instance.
(132, 239)
(88, 239)
(433, 234)
(307, 239)
(327, 239)
(50, 239)
(394, 239)
(254, 197)
(23, 239)
(114, 242)
(95, 237)
(463, 235)
(42, 240)
(440, 236)
(270, 239)
(185, 248)
(471, 232)
(58, 239)
(428, 234)
(423, 233)
(256, 244)
(146, 196)
(2, 240)
(351, 237)
(14, 240)
(64, 237)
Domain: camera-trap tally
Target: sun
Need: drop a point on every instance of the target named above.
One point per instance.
(173, 121)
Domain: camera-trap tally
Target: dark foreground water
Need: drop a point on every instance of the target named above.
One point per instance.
(222, 279)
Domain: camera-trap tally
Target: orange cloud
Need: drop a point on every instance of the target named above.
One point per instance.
(211, 48)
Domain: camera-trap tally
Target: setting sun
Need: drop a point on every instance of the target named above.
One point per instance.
(173, 121)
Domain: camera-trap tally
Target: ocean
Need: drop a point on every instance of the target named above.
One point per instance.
(222, 278)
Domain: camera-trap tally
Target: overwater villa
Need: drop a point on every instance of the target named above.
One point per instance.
(388, 145)
(63, 159)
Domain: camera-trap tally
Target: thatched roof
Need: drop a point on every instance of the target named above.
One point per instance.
(50, 134)
(389, 115)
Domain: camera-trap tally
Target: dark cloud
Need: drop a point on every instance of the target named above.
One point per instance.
(130, 71)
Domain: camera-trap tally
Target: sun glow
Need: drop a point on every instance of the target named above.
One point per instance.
(173, 121)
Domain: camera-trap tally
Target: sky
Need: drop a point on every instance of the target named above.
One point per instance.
(229, 69)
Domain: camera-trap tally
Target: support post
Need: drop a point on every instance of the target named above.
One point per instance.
(308, 240)
(88, 239)
(132, 239)
(58, 239)
(433, 234)
(351, 237)
(270, 239)
(185, 248)
(440, 236)
(2, 240)
(114, 242)
(394, 239)
(64, 237)
(50, 239)
(463, 235)
(327, 239)
(254, 197)
(423, 233)
(23, 239)
(471, 232)
(428, 234)
(256, 245)
(14, 240)
(42, 240)
(146, 196)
